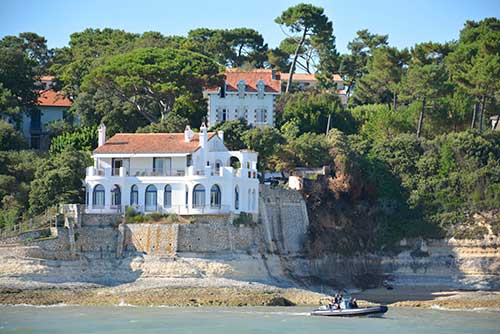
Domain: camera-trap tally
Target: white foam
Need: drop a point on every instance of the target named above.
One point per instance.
(39, 306)
(474, 309)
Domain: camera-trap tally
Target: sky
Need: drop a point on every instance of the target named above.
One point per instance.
(406, 22)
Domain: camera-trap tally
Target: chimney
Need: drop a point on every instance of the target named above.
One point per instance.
(188, 134)
(220, 133)
(203, 135)
(102, 135)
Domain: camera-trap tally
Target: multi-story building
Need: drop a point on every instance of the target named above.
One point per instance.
(184, 173)
(249, 95)
(51, 106)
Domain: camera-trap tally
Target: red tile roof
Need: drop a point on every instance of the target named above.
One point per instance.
(151, 143)
(233, 75)
(307, 77)
(51, 98)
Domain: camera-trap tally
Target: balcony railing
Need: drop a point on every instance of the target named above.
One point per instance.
(155, 172)
(189, 171)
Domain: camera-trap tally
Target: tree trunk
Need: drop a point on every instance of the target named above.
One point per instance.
(473, 123)
(350, 87)
(394, 101)
(481, 113)
(496, 122)
(328, 125)
(296, 55)
(421, 119)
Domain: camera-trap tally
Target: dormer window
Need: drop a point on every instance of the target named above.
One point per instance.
(260, 89)
(241, 88)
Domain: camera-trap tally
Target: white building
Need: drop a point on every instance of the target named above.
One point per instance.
(245, 94)
(184, 173)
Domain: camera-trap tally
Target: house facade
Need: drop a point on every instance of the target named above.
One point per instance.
(184, 173)
(51, 106)
(249, 95)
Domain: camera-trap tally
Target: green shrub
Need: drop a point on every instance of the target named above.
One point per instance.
(471, 232)
(155, 216)
(495, 227)
(244, 219)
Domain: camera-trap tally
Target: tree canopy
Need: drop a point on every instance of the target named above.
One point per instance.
(152, 79)
(312, 41)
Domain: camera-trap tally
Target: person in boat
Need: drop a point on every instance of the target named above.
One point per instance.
(331, 302)
(353, 303)
(337, 300)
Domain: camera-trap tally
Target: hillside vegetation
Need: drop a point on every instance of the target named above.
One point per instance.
(412, 154)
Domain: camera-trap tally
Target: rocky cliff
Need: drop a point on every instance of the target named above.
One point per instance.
(282, 248)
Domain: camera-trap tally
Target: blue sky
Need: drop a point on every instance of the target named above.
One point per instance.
(406, 22)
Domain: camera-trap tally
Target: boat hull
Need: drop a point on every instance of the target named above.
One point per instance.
(356, 312)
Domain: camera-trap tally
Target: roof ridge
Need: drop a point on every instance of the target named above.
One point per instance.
(157, 133)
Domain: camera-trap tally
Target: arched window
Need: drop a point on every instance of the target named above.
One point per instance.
(234, 162)
(134, 195)
(198, 196)
(215, 197)
(116, 196)
(151, 198)
(167, 197)
(98, 196)
(236, 198)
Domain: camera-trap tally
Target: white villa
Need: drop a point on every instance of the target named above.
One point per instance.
(251, 95)
(185, 173)
(245, 94)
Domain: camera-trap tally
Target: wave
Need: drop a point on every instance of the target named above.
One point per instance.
(474, 309)
(123, 304)
(39, 306)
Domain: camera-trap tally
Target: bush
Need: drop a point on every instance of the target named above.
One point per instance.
(10, 138)
(83, 139)
(244, 219)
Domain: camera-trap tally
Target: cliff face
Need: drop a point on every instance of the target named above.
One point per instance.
(291, 243)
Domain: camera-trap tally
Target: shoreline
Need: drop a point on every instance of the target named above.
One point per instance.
(230, 293)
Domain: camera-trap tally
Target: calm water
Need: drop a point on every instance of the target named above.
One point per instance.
(113, 320)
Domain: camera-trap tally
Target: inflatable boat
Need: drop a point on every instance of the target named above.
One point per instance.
(350, 312)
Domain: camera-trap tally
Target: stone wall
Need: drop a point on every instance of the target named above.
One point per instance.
(96, 239)
(158, 239)
(26, 236)
(216, 238)
(101, 219)
(283, 214)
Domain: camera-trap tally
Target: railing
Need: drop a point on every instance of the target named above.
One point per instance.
(44, 220)
(189, 171)
(155, 172)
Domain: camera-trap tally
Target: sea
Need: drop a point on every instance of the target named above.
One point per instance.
(217, 320)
